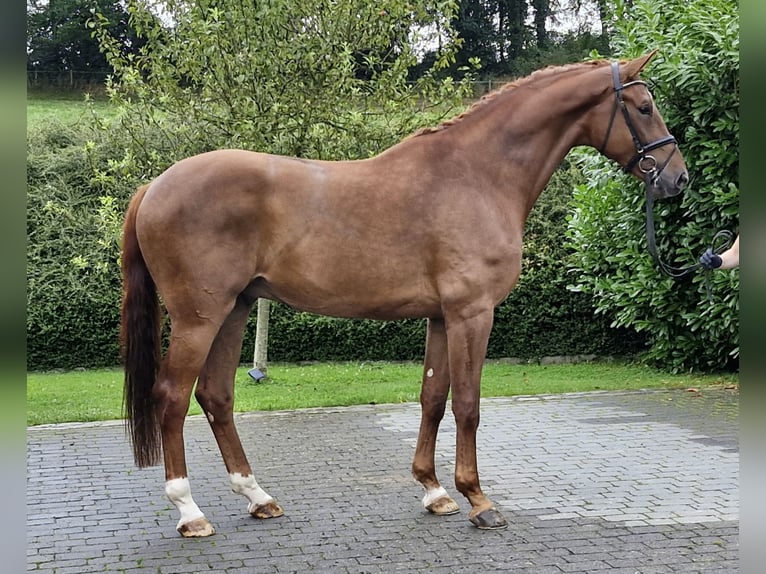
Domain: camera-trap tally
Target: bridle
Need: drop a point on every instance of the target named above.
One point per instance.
(648, 165)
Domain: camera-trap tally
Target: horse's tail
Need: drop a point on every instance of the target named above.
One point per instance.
(140, 338)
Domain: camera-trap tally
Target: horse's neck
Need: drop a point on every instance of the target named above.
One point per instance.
(507, 147)
(521, 138)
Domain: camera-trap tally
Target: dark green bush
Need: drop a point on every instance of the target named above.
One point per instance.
(74, 215)
(295, 336)
(691, 324)
(73, 285)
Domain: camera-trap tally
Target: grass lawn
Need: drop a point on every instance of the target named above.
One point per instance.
(97, 395)
(64, 109)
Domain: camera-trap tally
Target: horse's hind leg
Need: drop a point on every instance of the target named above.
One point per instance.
(433, 398)
(189, 344)
(215, 394)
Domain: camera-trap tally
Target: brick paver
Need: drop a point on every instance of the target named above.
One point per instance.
(614, 483)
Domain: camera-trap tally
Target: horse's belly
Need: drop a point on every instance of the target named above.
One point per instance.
(362, 296)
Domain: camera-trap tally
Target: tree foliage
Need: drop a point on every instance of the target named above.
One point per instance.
(692, 323)
(516, 37)
(326, 79)
(58, 37)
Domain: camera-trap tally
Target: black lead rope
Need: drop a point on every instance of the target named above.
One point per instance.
(721, 241)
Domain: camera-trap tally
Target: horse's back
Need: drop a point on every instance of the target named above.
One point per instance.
(211, 176)
(227, 190)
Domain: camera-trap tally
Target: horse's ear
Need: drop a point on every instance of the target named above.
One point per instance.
(630, 70)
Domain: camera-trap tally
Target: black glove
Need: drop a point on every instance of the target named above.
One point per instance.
(710, 260)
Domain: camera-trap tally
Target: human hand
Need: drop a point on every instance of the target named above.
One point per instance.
(710, 259)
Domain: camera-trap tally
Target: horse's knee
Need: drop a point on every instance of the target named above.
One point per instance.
(466, 416)
(432, 412)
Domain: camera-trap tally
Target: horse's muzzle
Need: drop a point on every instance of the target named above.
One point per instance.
(669, 184)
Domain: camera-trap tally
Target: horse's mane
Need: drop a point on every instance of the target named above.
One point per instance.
(492, 96)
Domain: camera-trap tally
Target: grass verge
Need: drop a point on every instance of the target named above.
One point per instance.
(64, 110)
(97, 395)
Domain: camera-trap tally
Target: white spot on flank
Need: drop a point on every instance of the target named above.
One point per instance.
(430, 373)
(179, 493)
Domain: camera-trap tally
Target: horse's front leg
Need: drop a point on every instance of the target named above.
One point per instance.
(433, 398)
(215, 394)
(467, 337)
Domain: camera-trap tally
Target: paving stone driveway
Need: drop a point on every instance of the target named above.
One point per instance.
(642, 482)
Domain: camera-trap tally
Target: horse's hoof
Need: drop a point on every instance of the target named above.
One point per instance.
(443, 506)
(198, 528)
(267, 510)
(489, 519)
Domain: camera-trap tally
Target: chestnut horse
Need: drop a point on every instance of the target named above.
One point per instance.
(430, 228)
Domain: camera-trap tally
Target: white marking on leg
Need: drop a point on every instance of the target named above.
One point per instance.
(179, 493)
(430, 373)
(210, 417)
(248, 487)
(433, 494)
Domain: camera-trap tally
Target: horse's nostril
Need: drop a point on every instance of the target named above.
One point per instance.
(682, 180)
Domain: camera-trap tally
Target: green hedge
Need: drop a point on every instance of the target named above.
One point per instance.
(74, 284)
(693, 323)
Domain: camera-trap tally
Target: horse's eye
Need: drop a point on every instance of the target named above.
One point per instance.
(645, 109)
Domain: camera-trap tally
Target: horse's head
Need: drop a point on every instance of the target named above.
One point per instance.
(634, 133)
